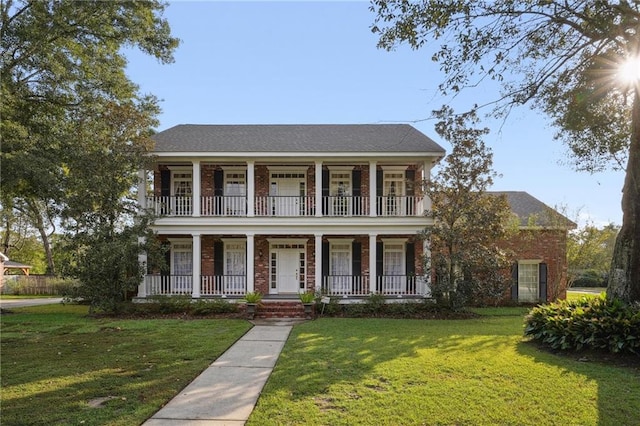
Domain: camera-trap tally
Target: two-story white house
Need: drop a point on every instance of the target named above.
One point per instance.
(284, 209)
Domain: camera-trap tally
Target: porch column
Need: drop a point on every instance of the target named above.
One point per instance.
(197, 263)
(426, 273)
(251, 188)
(426, 176)
(372, 263)
(142, 188)
(195, 176)
(373, 210)
(318, 271)
(318, 189)
(251, 263)
(142, 261)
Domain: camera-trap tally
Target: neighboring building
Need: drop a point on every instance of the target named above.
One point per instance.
(540, 246)
(284, 209)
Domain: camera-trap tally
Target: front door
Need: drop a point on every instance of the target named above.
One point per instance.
(287, 269)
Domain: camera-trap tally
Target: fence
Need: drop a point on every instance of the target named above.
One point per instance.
(34, 285)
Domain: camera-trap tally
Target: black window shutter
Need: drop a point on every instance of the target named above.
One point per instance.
(514, 281)
(166, 268)
(218, 183)
(410, 262)
(218, 258)
(379, 265)
(356, 266)
(165, 183)
(542, 269)
(325, 191)
(356, 183)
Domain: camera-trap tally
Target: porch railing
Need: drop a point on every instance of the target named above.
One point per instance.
(168, 285)
(345, 285)
(283, 205)
(345, 206)
(171, 205)
(287, 206)
(223, 285)
(225, 205)
(398, 285)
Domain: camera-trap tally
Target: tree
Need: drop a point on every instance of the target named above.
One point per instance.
(468, 222)
(590, 249)
(62, 71)
(565, 58)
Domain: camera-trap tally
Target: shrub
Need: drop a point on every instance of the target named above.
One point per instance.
(216, 306)
(587, 323)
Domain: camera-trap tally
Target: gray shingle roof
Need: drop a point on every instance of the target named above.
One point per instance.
(532, 211)
(383, 138)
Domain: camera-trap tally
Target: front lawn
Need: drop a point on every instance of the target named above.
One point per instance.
(60, 367)
(427, 372)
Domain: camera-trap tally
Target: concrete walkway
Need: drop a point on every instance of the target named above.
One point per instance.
(227, 391)
(20, 303)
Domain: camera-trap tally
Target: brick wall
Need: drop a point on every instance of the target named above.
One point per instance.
(550, 247)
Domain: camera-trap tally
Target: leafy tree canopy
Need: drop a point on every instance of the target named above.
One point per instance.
(569, 59)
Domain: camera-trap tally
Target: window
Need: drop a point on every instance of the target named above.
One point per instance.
(393, 192)
(340, 267)
(528, 281)
(235, 266)
(181, 266)
(393, 267)
(340, 192)
(182, 191)
(235, 193)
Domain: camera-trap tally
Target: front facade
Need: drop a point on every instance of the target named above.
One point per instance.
(285, 209)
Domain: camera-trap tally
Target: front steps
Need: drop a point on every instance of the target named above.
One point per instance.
(267, 309)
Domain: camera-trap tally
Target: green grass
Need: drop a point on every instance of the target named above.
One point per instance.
(435, 372)
(576, 294)
(56, 360)
(27, 296)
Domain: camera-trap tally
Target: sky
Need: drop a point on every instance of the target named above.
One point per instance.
(299, 62)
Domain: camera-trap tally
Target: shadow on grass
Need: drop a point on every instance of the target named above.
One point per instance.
(617, 378)
(54, 364)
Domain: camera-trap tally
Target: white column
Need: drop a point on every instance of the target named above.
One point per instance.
(142, 261)
(251, 263)
(195, 176)
(426, 273)
(142, 188)
(318, 189)
(372, 189)
(426, 176)
(372, 263)
(251, 188)
(197, 254)
(318, 271)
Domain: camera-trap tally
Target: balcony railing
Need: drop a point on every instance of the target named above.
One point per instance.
(227, 205)
(171, 205)
(283, 205)
(287, 206)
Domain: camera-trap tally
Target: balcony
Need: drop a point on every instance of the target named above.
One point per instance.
(288, 206)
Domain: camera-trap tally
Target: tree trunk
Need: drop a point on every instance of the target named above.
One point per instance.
(46, 243)
(624, 275)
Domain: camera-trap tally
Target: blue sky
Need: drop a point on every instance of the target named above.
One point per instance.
(317, 62)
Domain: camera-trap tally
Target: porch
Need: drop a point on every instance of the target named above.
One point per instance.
(287, 206)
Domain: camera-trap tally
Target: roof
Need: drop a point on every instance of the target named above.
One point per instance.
(533, 212)
(305, 138)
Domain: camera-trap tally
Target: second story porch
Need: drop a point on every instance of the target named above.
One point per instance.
(265, 189)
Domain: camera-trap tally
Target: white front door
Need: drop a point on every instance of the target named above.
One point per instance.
(288, 271)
